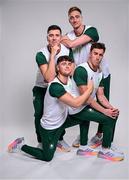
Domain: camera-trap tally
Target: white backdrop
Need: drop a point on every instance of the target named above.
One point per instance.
(23, 26)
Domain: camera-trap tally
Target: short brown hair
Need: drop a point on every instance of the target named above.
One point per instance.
(64, 58)
(98, 45)
(74, 9)
(54, 27)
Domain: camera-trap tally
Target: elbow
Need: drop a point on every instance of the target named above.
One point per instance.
(70, 45)
(77, 105)
(89, 102)
(49, 80)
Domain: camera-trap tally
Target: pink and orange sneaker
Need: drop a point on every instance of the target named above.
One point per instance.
(63, 146)
(88, 151)
(95, 141)
(16, 145)
(111, 155)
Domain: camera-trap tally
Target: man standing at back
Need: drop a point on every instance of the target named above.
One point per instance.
(80, 40)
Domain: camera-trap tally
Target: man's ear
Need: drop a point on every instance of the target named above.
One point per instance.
(57, 68)
(89, 54)
(47, 37)
(82, 18)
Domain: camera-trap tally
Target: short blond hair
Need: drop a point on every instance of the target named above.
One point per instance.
(74, 8)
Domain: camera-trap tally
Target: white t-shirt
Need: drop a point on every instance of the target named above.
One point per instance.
(81, 53)
(96, 76)
(40, 82)
(55, 111)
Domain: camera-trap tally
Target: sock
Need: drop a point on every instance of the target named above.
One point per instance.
(105, 149)
(83, 147)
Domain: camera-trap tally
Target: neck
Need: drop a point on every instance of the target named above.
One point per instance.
(63, 79)
(94, 68)
(79, 31)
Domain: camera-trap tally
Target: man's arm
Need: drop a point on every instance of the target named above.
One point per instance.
(48, 69)
(102, 98)
(58, 91)
(111, 112)
(80, 77)
(83, 39)
(89, 35)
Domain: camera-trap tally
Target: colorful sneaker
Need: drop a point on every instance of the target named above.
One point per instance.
(95, 141)
(16, 145)
(63, 146)
(87, 152)
(110, 155)
(114, 148)
(76, 142)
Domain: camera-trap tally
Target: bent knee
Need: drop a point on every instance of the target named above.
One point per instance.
(48, 159)
(49, 156)
(50, 152)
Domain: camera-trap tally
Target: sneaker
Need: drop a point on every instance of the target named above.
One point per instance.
(114, 148)
(16, 145)
(63, 146)
(95, 141)
(76, 142)
(89, 151)
(110, 155)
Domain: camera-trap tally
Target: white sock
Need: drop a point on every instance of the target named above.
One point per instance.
(83, 147)
(105, 149)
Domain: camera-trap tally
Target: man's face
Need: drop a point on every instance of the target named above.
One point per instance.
(65, 68)
(75, 19)
(54, 37)
(96, 56)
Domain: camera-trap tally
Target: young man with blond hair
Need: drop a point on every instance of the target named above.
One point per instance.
(80, 40)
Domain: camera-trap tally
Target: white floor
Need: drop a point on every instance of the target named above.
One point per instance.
(63, 166)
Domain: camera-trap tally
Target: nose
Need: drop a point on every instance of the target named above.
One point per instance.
(98, 57)
(67, 66)
(54, 37)
(74, 19)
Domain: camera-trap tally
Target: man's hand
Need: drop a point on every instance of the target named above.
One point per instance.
(113, 113)
(54, 50)
(64, 38)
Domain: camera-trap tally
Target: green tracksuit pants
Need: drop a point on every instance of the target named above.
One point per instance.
(38, 103)
(50, 138)
(107, 94)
